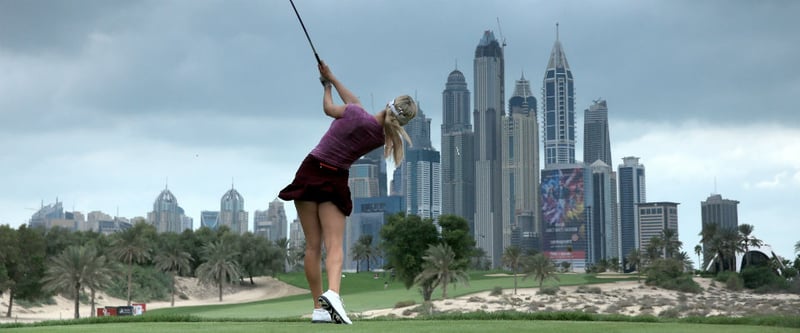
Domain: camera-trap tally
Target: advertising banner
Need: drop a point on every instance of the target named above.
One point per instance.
(564, 235)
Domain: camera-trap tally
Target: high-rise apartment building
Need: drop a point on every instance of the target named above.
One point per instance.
(603, 226)
(653, 218)
(632, 191)
(489, 100)
(167, 215)
(232, 213)
(276, 214)
(596, 138)
(458, 148)
(364, 179)
(368, 217)
(520, 169)
(421, 172)
(209, 219)
(722, 212)
(559, 109)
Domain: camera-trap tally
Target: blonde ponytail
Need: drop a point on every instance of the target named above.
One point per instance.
(397, 113)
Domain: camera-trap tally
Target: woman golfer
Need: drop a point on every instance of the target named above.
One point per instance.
(320, 191)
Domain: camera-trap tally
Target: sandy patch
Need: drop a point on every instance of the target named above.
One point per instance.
(624, 297)
(198, 294)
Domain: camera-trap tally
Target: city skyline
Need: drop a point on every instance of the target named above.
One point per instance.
(97, 108)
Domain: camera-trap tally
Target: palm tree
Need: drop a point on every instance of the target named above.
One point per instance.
(441, 268)
(173, 260)
(99, 273)
(539, 267)
(683, 257)
(286, 259)
(634, 261)
(130, 247)
(220, 265)
(698, 250)
(671, 242)
(745, 231)
(512, 258)
(729, 239)
(68, 272)
(359, 253)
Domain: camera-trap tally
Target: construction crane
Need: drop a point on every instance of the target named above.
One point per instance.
(500, 30)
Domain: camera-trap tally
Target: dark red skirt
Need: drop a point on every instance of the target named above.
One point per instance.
(320, 182)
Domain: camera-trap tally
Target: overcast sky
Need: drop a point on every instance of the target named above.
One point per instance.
(102, 103)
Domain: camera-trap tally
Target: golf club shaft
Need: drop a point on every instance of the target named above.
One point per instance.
(306, 32)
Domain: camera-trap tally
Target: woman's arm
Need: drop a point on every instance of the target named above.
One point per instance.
(331, 109)
(347, 96)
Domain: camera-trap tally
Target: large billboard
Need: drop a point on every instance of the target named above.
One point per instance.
(564, 235)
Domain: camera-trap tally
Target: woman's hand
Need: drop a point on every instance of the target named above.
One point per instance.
(325, 72)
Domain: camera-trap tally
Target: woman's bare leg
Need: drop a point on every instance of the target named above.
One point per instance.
(307, 212)
(332, 221)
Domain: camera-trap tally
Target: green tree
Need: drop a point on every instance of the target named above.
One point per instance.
(512, 258)
(131, 247)
(455, 233)
(363, 250)
(540, 268)
(746, 239)
(25, 266)
(253, 255)
(614, 264)
(634, 261)
(99, 274)
(698, 250)
(71, 271)
(405, 240)
(219, 266)
(672, 245)
(173, 260)
(442, 268)
(282, 244)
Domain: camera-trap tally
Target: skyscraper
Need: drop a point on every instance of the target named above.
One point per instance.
(276, 215)
(364, 179)
(596, 138)
(489, 99)
(166, 216)
(520, 168)
(653, 218)
(631, 192)
(722, 212)
(603, 225)
(232, 213)
(559, 109)
(458, 148)
(421, 172)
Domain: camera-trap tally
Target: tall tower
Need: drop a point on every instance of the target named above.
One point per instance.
(653, 218)
(458, 148)
(603, 226)
(559, 109)
(520, 163)
(277, 217)
(596, 138)
(489, 109)
(232, 213)
(722, 212)
(631, 192)
(166, 216)
(421, 172)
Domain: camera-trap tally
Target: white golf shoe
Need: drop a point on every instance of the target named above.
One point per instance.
(332, 303)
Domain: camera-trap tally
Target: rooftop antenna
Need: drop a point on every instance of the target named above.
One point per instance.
(456, 64)
(500, 30)
(715, 185)
(556, 30)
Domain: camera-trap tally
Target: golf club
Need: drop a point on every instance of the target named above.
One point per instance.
(306, 31)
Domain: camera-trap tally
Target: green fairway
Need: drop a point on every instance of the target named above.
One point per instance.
(439, 326)
(362, 292)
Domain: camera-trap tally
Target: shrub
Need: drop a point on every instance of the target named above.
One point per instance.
(668, 274)
(734, 282)
(763, 279)
(589, 290)
(550, 290)
(496, 291)
(403, 304)
(724, 276)
(670, 313)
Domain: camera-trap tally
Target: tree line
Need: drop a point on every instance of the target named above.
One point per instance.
(36, 264)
